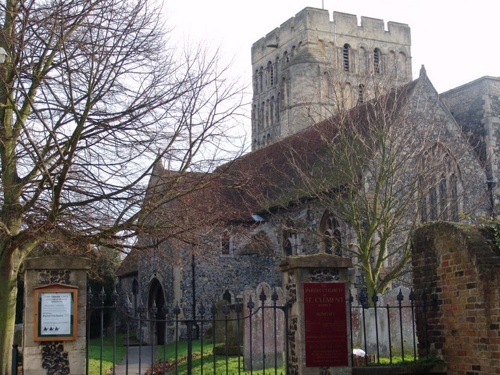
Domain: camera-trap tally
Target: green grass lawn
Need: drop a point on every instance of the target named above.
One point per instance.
(204, 361)
(107, 354)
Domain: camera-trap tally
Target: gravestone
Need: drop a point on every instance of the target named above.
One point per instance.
(264, 336)
(228, 329)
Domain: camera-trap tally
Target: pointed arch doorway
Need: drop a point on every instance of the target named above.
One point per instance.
(156, 297)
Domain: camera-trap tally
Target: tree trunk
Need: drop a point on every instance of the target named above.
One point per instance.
(8, 296)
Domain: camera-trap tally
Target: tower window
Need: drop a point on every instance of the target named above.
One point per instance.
(376, 61)
(270, 70)
(345, 57)
(361, 94)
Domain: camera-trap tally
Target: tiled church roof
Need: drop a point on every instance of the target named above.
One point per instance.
(262, 180)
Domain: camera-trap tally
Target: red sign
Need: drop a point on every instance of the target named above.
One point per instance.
(325, 324)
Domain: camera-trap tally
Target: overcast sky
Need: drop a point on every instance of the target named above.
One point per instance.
(457, 41)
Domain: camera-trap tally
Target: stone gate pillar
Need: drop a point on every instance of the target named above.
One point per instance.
(54, 329)
(317, 290)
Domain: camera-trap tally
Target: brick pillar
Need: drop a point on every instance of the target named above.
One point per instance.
(57, 282)
(317, 290)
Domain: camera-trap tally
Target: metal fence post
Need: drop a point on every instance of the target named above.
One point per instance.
(15, 359)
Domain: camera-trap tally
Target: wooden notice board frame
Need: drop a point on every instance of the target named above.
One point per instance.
(56, 307)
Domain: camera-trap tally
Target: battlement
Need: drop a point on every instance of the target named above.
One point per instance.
(372, 28)
(307, 18)
(343, 24)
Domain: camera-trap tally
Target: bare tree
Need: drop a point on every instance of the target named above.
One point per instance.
(91, 96)
(380, 168)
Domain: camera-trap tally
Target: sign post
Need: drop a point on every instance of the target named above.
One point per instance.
(325, 324)
(54, 316)
(55, 312)
(318, 324)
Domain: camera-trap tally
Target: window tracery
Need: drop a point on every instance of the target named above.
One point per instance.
(440, 185)
(332, 235)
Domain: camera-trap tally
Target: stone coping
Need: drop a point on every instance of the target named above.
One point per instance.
(315, 261)
(56, 262)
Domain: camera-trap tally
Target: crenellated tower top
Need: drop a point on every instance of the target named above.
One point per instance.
(296, 66)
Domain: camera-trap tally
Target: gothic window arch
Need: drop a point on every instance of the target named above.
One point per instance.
(377, 61)
(292, 241)
(346, 57)
(331, 234)
(439, 185)
(361, 94)
(226, 296)
(270, 71)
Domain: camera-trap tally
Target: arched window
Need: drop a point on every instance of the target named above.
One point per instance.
(377, 60)
(439, 180)
(292, 242)
(227, 296)
(361, 94)
(270, 71)
(346, 51)
(286, 57)
(331, 233)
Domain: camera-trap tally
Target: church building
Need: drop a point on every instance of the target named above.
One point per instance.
(334, 106)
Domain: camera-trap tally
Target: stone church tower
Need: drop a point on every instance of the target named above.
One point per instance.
(307, 68)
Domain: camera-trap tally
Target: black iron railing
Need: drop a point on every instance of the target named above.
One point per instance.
(218, 331)
(387, 332)
(380, 334)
